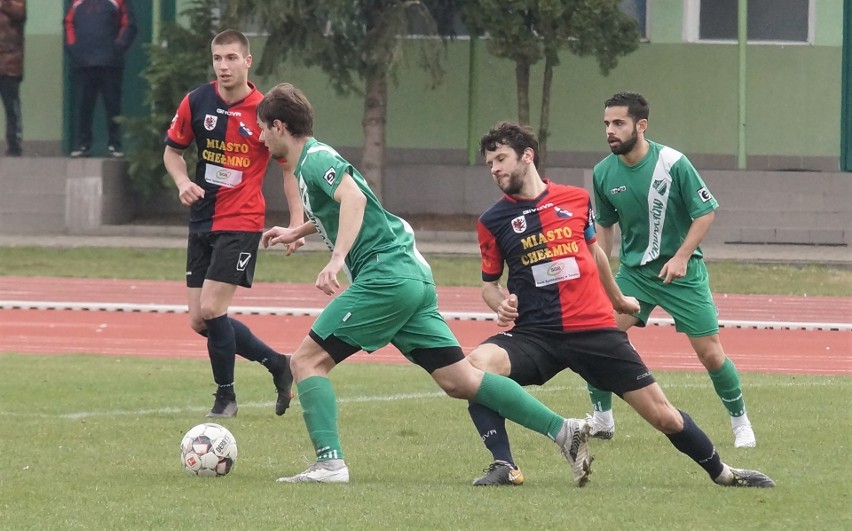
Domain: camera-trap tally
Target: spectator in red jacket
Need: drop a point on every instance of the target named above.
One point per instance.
(13, 14)
(97, 35)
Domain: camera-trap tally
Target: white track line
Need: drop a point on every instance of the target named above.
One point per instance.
(313, 312)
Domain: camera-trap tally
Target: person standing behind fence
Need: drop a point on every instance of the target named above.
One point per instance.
(13, 14)
(97, 35)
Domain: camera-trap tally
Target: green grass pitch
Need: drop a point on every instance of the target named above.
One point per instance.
(91, 442)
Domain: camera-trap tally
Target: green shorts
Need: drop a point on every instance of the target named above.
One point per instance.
(374, 312)
(688, 300)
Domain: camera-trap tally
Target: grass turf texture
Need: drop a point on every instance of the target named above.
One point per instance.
(273, 266)
(91, 442)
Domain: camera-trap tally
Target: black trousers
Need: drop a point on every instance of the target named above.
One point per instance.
(10, 92)
(106, 81)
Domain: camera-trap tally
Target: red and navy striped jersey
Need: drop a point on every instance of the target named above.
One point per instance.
(544, 243)
(231, 159)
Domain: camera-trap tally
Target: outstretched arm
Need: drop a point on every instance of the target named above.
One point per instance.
(287, 235)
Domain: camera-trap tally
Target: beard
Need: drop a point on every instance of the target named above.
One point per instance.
(626, 146)
(515, 183)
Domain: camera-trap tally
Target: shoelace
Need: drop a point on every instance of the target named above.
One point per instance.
(494, 466)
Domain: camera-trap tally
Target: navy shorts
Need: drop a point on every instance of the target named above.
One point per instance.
(603, 357)
(228, 257)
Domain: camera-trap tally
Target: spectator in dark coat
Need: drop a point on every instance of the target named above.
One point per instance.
(97, 35)
(13, 14)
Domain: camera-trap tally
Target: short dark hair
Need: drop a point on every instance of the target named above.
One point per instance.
(637, 105)
(288, 104)
(231, 36)
(518, 137)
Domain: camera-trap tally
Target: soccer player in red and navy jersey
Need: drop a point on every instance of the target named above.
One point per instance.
(226, 213)
(559, 298)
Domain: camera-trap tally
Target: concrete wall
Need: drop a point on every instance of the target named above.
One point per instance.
(57, 195)
(78, 196)
(775, 207)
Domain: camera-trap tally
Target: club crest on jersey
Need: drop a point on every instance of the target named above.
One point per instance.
(210, 122)
(660, 186)
(329, 176)
(244, 130)
(519, 224)
(562, 213)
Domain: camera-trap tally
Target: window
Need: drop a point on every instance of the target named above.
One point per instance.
(637, 9)
(768, 20)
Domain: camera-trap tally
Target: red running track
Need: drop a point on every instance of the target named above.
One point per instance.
(168, 335)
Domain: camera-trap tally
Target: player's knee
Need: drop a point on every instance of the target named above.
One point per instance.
(198, 327)
(210, 312)
(711, 358)
(455, 391)
(488, 360)
(708, 347)
(480, 360)
(460, 380)
(668, 420)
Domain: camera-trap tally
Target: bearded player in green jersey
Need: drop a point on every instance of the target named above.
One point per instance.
(391, 297)
(664, 210)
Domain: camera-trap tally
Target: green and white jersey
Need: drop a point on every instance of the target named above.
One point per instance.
(384, 247)
(653, 202)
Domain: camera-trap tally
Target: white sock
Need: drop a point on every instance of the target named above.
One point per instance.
(742, 420)
(726, 477)
(604, 418)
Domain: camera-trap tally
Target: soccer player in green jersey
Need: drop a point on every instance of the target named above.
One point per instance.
(391, 297)
(664, 210)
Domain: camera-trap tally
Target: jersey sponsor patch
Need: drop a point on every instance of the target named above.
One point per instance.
(244, 130)
(618, 190)
(562, 213)
(222, 176)
(330, 175)
(519, 224)
(704, 194)
(210, 122)
(556, 271)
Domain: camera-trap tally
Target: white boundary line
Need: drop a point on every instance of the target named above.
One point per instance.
(313, 312)
(534, 390)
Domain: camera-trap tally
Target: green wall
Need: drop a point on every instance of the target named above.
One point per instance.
(793, 97)
(793, 92)
(41, 90)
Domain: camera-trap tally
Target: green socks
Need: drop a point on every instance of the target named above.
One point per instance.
(506, 397)
(319, 409)
(726, 381)
(510, 400)
(601, 400)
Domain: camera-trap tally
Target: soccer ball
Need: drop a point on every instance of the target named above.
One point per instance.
(208, 450)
